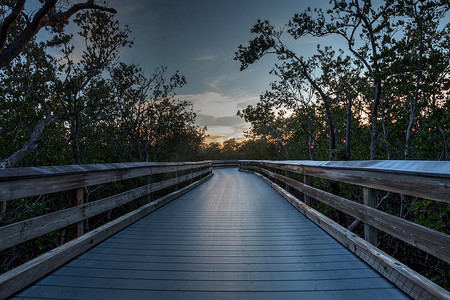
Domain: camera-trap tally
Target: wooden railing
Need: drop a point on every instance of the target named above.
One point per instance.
(27, 182)
(225, 164)
(424, 179)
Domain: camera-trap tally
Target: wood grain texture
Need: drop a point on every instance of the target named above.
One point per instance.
(412, 283)
(22, 276)
(427, 185)
(25, 182)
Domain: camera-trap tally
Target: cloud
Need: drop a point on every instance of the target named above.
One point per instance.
(223, 133)
(217, 104)
(206, 57)
(215, 83)
(221, 121)
(218, 112)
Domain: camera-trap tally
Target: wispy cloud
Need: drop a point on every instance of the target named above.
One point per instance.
(205, 58)
(214, 84)
(218, 112)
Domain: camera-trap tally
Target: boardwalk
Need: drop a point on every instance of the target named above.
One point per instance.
(233, 237)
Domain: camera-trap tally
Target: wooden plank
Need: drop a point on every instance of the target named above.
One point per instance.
(410, 167)
(50, 171)
(28, 229)
(370, 200)
(20, 277)
(225, 163)
(424, 238)
(56, 179)
(433, 186)
(412, 283)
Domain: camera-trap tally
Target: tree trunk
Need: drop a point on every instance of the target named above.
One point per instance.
(374, 115)
(33, 143)
(412, 114)
(348, 128)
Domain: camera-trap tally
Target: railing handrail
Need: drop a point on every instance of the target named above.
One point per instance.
(424, 179)
(407, 167)
(31, 181)
(48, 171)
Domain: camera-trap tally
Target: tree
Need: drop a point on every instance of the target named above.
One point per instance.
(268, 41)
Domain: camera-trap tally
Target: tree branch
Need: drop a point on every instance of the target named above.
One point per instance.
(44, 17)
(9, 20)
(32, 143)
(54, 18)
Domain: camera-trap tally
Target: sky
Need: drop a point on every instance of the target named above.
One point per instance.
(199, 38)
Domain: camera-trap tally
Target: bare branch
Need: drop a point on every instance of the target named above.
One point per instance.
(9, 20)
(44, 17)
(52, 19)
(32, 143)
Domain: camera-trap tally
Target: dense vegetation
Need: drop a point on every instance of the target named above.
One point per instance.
(384, 96)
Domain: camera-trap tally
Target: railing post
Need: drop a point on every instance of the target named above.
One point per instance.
(148, 180)
(288, 187)
(77, 196)
(176, 176)
(370, 199)
(307, 181)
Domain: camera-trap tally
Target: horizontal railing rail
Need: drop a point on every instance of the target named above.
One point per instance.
(27, 182)
(429, 180)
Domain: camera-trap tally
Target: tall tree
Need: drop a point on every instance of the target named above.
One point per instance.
(268, 41)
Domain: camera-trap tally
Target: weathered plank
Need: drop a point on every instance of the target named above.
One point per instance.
(428, 185)
(412, 283)
(25, 182)
(22, 276)
(20, 232)
(225, 163)
(429, 240)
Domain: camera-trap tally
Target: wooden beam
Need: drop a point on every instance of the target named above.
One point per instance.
(45, 180)
(433, 186)
(409, 281)
(22, 276)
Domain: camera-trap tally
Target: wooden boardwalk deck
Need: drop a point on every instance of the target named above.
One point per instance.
(233, 237)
